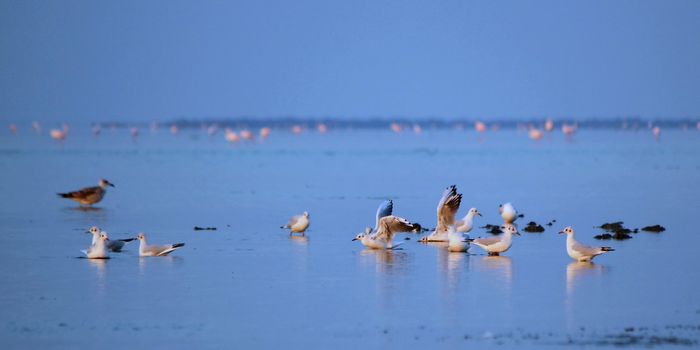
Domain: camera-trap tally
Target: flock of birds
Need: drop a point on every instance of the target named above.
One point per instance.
(449, 230)
(534, 131)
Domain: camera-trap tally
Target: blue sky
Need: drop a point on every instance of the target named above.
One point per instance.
(158, 60)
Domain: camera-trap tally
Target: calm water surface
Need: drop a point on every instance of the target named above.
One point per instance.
(250, 284)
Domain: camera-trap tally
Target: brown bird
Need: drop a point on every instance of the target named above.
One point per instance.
(88, 195)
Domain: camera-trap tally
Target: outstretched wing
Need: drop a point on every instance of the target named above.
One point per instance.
(385, 209)
(390, 225)
(447, 208)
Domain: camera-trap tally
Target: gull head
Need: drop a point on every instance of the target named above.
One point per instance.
(140, 236)
(567, 230)
(362, 235)
(473, 211)
(104, 183)
(510, 228)
(94, 230)
(306, 214)
(103, 236)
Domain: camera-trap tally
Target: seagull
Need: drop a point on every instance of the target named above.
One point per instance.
(298, 223)
(498, 245)
(387, 227)
(89, 195)
(508, 213)
(155, 250)
(581, 252)
(446, 210)
(98, 249)
(112, 245)
(466, 224)
(457, 241)
(386, 208)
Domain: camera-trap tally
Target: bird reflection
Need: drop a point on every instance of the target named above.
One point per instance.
(580, 269)
(387, 261)
(576, 273)
(500, 266)
(300, 240)
(145, 261)
(100, 266)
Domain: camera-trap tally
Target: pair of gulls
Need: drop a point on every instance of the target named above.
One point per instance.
(101, 245)
(454, 232)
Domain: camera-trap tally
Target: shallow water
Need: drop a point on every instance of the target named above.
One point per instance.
(250, 284)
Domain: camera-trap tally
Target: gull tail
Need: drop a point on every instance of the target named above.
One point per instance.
(65, 195)
(126, 240)
(607, 249)
(178, 245)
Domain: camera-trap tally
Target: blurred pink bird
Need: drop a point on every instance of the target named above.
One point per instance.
(479, 126)
(567, 129)
(417, 129)
(247, 135)
(231, 136)
(173, 129)
(322, 128)
(548, 125)
(264, 132)
(395, 127)
(13, 128)
(296, 129)
(656, 131)
(535, 134)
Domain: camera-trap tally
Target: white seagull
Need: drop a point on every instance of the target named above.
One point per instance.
(498, 245)
(467, 223)
(581, 252)
(155, 250)
(508, 213)
(98, 250)
(298, 223)
(386, 208)
(446, 210)
(387, 227)
(113, 245)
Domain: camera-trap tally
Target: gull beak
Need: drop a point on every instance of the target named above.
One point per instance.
(517, 233)
(354, 239)
(479, 214)
(111, 184)
(88, 231)
(560, 232)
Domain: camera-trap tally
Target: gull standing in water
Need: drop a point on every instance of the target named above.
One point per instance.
(88, 195)
(113, 245)
(387, 227)
(498, 245)
(508, 213)
(298, 223)
(446, 210)
(467, 223)
(386, 208)
(155, 250)
(382, 235)
(581, 252)
(98, 249)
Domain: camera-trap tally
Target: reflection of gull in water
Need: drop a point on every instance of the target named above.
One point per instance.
(386, 261)
(99, 265)
(496, 265)
(300, 240)
(578, 270)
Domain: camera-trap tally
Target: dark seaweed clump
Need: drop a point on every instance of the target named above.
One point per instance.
(493, 229)
(533, 227)
(197, 228)
(654, 228)
(615, 230)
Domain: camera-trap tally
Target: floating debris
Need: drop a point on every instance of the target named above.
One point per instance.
(493, 229)
(612, 226)
(605, 236)
(654, 228)
(197, 228)
(533, 227)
